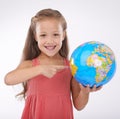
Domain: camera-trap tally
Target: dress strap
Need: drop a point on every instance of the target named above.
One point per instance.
(66, 61)
(35, 62)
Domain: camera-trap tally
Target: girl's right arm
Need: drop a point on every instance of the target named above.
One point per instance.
(26, 71)
(22, 73)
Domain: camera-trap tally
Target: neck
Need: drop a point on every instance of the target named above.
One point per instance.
(55, 60)
(55, 57)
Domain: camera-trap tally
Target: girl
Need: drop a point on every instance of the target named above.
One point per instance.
(45, 73)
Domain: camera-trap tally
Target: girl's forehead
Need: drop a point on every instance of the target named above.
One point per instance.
(49, 25)
(49, 20)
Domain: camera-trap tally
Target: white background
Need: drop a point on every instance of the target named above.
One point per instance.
(97, 20)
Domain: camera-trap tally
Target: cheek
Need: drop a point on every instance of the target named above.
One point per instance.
(40, 41)
(60, 43)
(39, 44)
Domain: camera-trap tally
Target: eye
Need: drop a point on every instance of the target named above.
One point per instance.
(56, 34)
(42, 35)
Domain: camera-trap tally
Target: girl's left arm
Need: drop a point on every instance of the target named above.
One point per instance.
(80, 94)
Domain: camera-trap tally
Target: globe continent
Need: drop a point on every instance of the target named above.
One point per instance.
(93, 63)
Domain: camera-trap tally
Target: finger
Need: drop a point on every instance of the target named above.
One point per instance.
(60, 67)
(88, 87)
(81, 86)
(98, 88)
(94, 88)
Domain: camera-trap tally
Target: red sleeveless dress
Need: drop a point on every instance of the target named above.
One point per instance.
(49, 98)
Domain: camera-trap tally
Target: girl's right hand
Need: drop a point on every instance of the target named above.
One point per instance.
(50, 70)
(26, 71)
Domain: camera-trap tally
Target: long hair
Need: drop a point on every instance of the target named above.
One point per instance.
(31, 49)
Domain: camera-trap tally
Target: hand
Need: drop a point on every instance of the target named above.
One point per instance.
(88, 89)
(50, 70)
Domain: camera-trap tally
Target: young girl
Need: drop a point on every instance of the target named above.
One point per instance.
(45, 73)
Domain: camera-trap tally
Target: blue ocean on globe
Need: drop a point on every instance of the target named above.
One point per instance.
(93, 63)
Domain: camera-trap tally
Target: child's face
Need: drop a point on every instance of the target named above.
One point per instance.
(49, 35)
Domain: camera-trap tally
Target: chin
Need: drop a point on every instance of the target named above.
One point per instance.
(52, 55)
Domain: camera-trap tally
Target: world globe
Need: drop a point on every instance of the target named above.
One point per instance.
(93, 63)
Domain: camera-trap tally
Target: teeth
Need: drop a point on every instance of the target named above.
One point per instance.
(50, 47)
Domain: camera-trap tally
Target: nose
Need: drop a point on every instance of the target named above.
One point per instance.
(50, 39)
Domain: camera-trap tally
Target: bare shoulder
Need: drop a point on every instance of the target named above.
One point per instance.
(74, 83)
(75, 88)
(25, 64)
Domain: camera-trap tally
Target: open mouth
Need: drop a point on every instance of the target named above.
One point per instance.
(50, 47)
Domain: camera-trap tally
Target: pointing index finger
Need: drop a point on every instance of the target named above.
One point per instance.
(60, 67)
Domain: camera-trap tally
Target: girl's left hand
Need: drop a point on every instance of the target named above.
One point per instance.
(88, 89)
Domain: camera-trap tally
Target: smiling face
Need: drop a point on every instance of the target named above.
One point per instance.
(49, 35)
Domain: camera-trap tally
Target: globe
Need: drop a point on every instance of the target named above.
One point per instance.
(93, 63)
